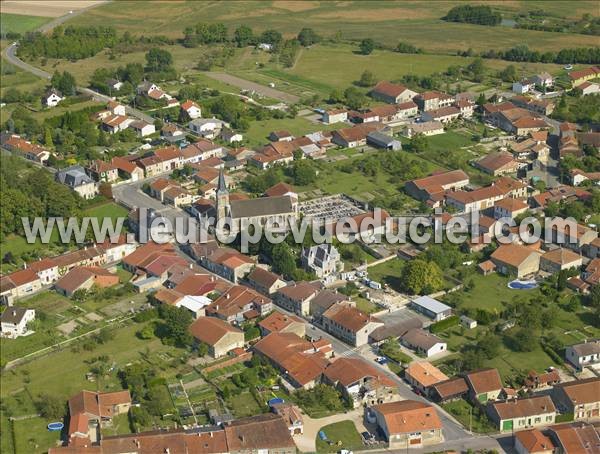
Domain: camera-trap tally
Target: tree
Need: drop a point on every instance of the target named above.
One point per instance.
(367, 79)
(50, 406)
(477, 69)
(176, 322)
(308, 37)
(489, 345)
(158, 60)
(65, 83)
(272, 37)
(549, 317)
(140, 416)
(421, 277)
(354, 98)
(303, 172)
(243, 36)
(419, 143)
(523, 340)
(481, 100)
(367, 46)
(48, 138)
(509, 74)
(283, 260)
(202, 349)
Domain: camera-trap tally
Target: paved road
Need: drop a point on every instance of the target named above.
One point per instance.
(258, 88)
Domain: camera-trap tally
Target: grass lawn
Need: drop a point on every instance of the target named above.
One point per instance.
(120, 426)
(19, 23)
(18, 245)
(388, 272)
(344, 432)
(32, 436)
(332, 180)
(106, 210)
(461, 409)
(45, 113)
(243, 405)
(365, 305)
(490, 292)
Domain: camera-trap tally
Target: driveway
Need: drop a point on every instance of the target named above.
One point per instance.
(307, 441)
(253, 86)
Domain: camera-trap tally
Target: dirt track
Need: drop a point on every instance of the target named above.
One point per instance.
(44, 8)
(248, 85)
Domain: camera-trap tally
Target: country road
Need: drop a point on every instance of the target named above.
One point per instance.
(10, 54)
(258, 88)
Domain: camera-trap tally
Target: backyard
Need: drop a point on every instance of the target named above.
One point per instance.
(343, 435)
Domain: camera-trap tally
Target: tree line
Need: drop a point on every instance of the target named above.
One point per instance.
(474, 14)
(522, 53)
(72, 42)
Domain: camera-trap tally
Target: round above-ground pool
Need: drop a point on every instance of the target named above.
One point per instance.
(55, 426)
(522, 285)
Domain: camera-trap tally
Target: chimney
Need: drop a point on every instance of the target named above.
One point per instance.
(191, 265)
(211, 434)
(228, 296)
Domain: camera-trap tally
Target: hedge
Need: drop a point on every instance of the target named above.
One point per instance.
(443, 325)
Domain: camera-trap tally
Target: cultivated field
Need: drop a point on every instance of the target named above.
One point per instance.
(387, 21)
(45, 8)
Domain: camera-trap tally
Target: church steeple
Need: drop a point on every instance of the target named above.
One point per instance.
(222, 197)
(221, 186)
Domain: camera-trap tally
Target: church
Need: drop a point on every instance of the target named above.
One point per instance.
(281, 209)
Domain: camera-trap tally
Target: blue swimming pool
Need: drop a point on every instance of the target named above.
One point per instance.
(522, 285)
(55, 426)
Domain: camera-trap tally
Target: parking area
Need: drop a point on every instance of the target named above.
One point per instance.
(401, 315)
(333, 208)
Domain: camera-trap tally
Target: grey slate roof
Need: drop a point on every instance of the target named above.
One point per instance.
(73, 176)
(13, 315)
(431, 304)
(262, 206)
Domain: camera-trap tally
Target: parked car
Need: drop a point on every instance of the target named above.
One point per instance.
(382, 360)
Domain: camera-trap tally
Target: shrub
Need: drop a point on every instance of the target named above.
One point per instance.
(443, 325)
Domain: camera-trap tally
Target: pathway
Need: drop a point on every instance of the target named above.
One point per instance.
(307, 441)
(258, 88)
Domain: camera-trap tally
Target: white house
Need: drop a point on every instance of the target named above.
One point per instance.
(423, 342)
(543, 80)
(14, 320)
(192, 109)
(230, 136)
(582, 355)
(114, 84)
(335, 116)
(142, 128)
(208, 128)
(523, 86)
(53, 97)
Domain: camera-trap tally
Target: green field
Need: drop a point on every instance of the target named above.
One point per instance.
(17, 23)
(324, 67)
(259, 131)
(416, 22)
(344, 432)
